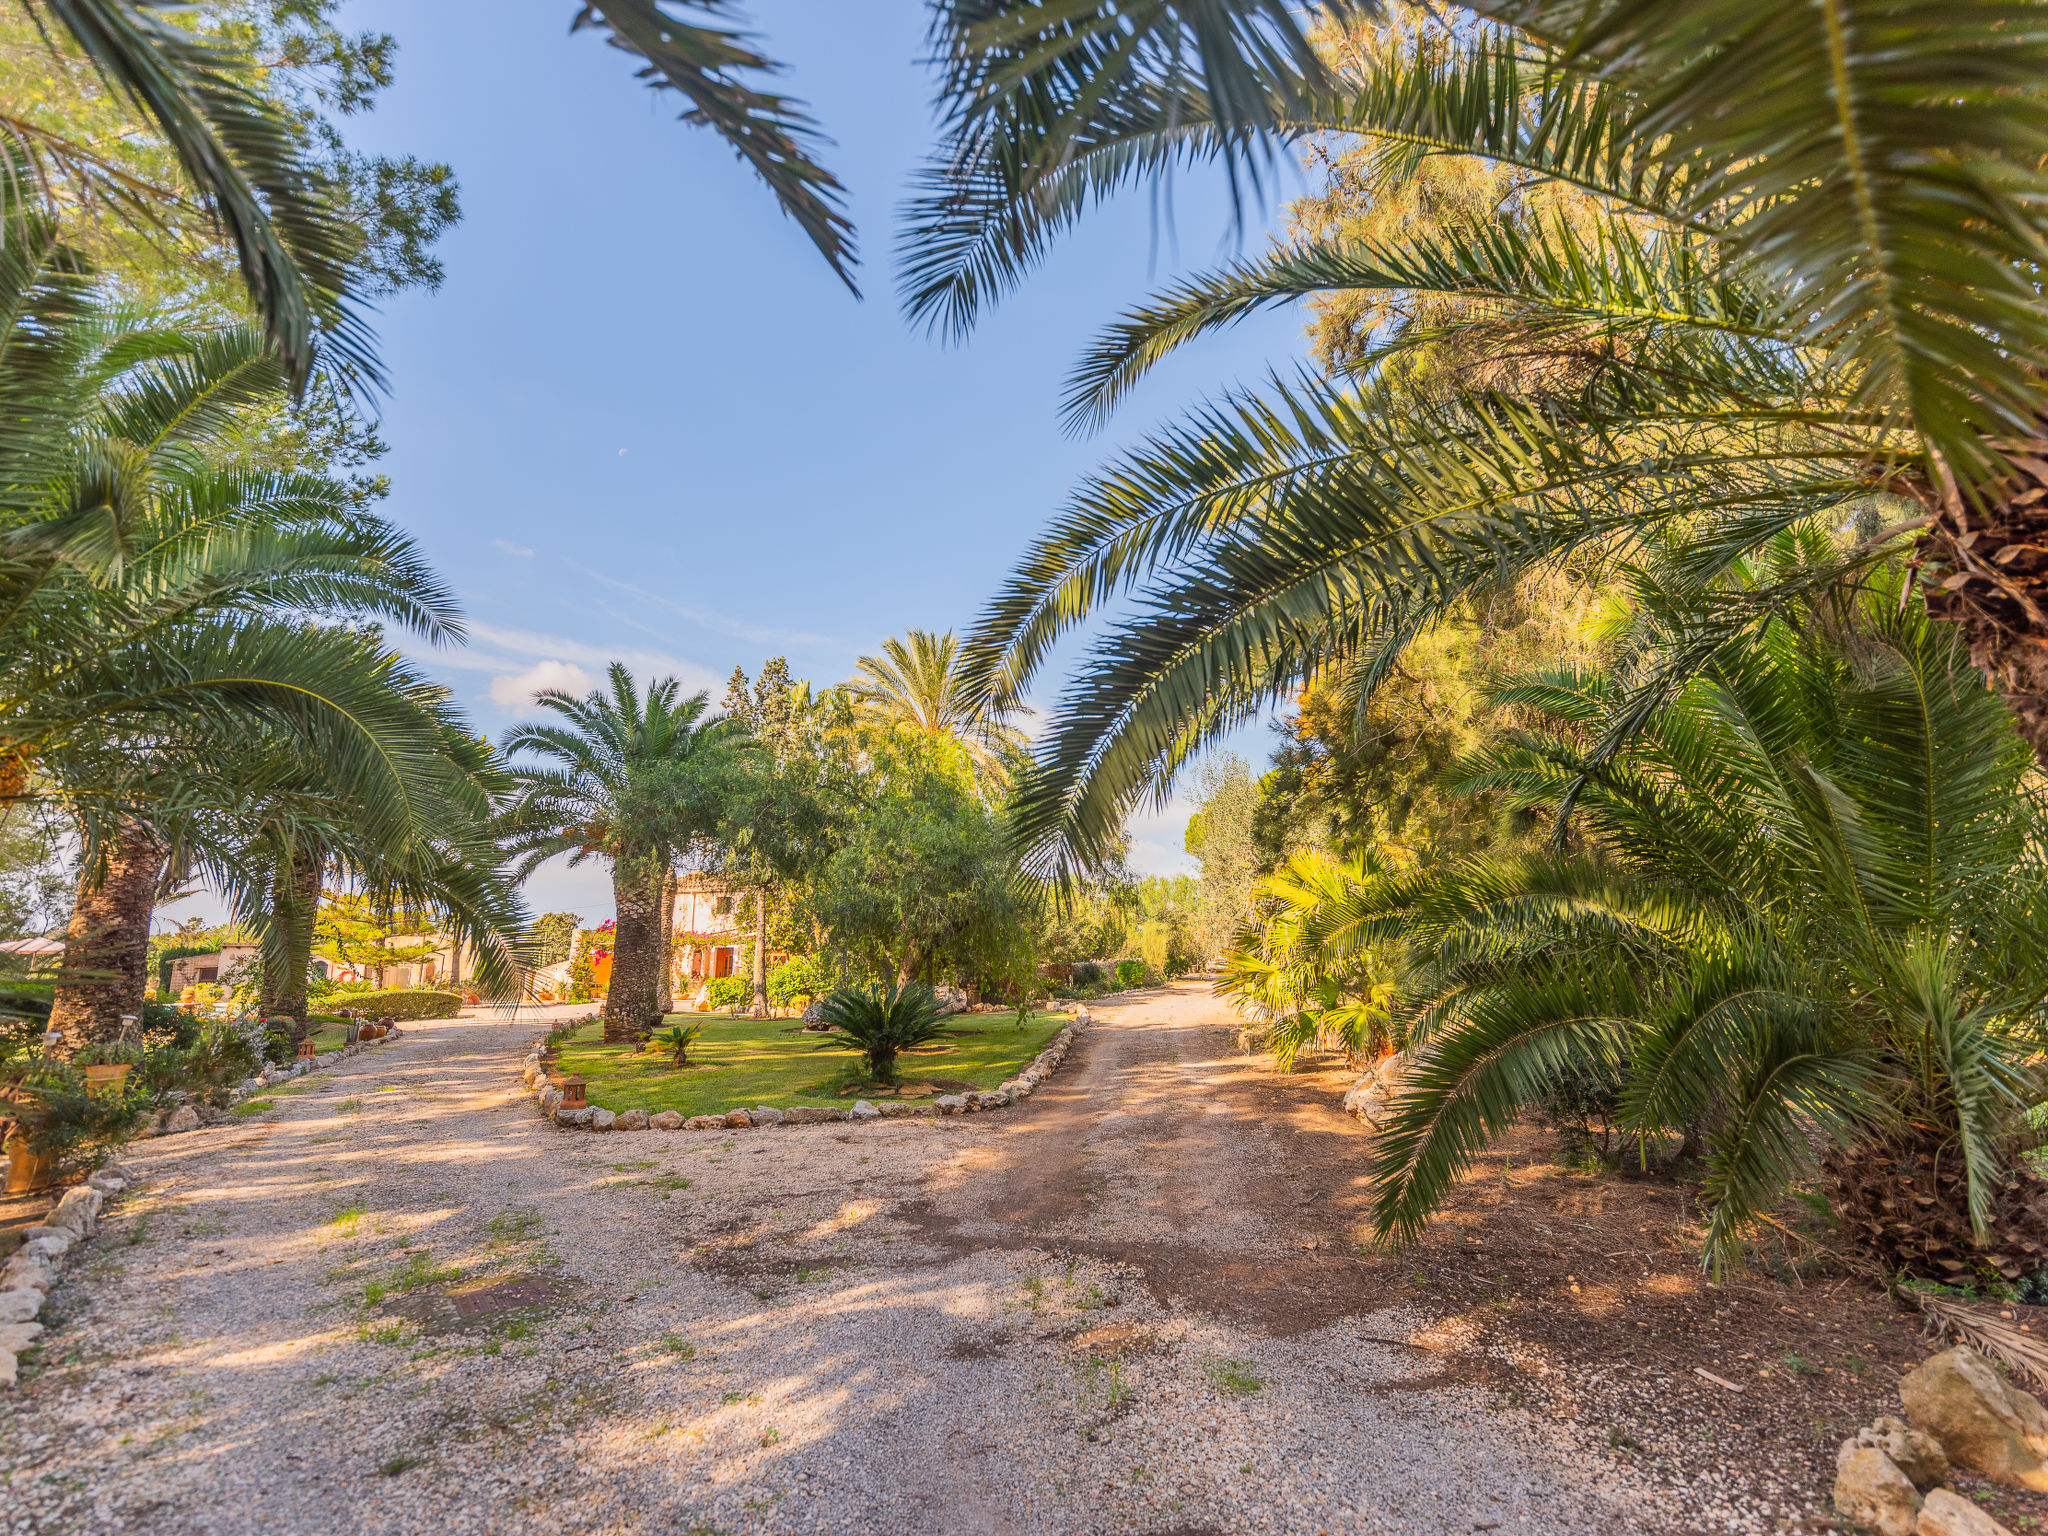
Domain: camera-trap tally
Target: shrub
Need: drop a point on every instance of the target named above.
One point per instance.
(406, 1004)
(1129, 972)
(729, 991)
(166, 1024)
(62, 1119)
(1087, 973)
(881, 1021)
(803, 976)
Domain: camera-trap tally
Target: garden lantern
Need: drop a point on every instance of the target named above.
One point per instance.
(572, 1093)
(306, 1052)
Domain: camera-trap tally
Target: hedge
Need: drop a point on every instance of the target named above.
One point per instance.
(403, 1006)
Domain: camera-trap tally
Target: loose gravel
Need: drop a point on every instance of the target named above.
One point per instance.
(401, 1303)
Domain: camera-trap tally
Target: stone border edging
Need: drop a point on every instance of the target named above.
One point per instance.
(26, 1278)
(185, 1118)
(533, 1071)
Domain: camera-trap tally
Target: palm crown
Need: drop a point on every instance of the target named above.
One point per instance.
(630, 777)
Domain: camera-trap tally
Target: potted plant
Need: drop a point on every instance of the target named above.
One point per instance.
(106, 1067)
(57, 1118)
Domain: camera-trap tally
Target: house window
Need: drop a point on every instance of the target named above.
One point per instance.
(209, 973)
(427, 971)
(721, 962)
(722, 906)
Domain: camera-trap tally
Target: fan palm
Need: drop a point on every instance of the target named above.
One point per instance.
(1802, 918)
(1804, 285)
(633, 779)
(917, 684)
(1298, 991)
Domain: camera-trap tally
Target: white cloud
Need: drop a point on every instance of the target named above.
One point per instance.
(512, 549)
(739, 629)
(519, 661)
(517, 689)
(541, 647)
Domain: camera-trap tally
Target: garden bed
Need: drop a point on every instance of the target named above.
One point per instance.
(777, 1064)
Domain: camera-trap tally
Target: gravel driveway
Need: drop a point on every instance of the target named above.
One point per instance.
(403, 1303)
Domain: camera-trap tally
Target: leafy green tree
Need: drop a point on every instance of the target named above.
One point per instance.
(553, 934)
(923, 869)
(787, 804)
(633, 779)
(354, 929)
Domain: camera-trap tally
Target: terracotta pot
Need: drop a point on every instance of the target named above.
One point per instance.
(26, 1171)
(108, 1076)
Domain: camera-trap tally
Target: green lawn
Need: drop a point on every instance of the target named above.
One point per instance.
(741, 1063)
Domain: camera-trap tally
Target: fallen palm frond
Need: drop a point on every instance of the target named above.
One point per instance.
(2024, 1354)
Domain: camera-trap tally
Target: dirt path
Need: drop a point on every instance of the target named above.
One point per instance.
(402, 1303)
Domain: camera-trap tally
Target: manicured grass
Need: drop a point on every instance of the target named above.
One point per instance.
(750, 1062)
(330, 1039)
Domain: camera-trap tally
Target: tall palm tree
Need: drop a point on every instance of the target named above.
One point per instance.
(1798, 927)
(1810, 285)
(918, 684)
(634, 780)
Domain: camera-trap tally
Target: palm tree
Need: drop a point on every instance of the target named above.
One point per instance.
(244, 159)
(158, 663)
(1297, 990)
(633, 780)
(1798, 918)
(1806, 284)
(917, 684)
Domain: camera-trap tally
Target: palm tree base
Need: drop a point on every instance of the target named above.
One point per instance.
(1905, 1204)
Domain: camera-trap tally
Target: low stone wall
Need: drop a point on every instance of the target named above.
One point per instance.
(29, 1274)
(1013, 1090)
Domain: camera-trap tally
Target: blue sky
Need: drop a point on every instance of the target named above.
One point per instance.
(641, 419)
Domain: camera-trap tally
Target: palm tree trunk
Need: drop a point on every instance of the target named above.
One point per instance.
(665, 987)
(629, 1012)
(2000, 601)
(105, 971)
(294, 900)
(761, 953)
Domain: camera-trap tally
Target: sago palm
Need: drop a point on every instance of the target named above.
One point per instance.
(631, 778)
(1805, 283)
(1798, 917)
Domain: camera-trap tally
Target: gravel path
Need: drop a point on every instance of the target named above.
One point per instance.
(402, 1303)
